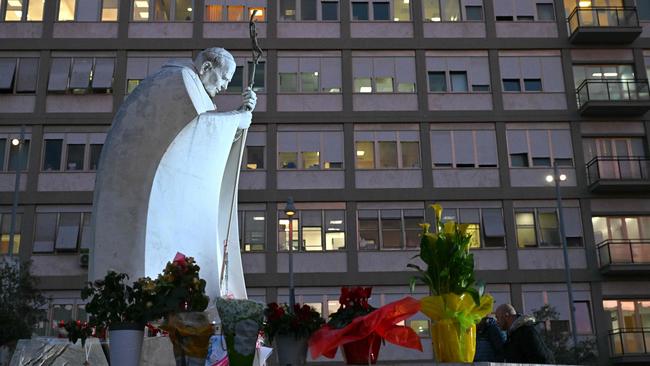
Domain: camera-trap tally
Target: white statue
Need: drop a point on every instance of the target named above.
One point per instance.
(167, 176)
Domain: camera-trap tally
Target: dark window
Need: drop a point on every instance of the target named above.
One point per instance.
(511, 85)
(564, 162)
(308, 9)
(75, 160)
(18, 153)
(525, 18)
(368, 230)
(533, 84)
(541, 161)
(52, 159)
(381, 11)
(545, 13)
(237, 81)
(643, 9)
(330, 10)
(359, 11)
(259, 76)
(255, 157)
(458, 81)
(474, 13)
(504, 18)
(288, 9)
(95, 154)
(3, 144)
(480, 88)
(437, 81)
(519, 160)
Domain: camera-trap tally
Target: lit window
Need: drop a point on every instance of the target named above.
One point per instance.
(365, 153)
(66, 10)
(6, 233)
(109, 10)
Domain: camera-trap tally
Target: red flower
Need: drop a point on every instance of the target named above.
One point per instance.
(180, 260)
(61, 324)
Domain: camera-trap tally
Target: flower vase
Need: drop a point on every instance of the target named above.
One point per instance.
(450, 344)
(362, 352)
(125, 343)
(190, 336)
(291, 350)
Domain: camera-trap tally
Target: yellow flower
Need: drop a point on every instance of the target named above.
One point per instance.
(437, 208)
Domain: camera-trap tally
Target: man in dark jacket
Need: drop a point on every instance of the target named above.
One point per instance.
(524, 344)
(489, 341)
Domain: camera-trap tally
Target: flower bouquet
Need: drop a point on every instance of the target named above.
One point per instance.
(291, 328)
(455, 306)
(241, 321)
(359, 328)
(182, 300)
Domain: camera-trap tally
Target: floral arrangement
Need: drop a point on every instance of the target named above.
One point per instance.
(179, 288)
(455, 305)
(113, 301)
(353, 303)
(300, 322)
(76, 330)
(241, 321)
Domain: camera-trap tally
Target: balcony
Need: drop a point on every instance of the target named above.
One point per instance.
(613, 97)
(621, 256)
(604, 25)
(630, 346)
(615, 173)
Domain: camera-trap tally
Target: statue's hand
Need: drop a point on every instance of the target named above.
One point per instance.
(249, 100)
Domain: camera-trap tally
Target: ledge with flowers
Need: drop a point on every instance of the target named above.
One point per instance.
(455, 305)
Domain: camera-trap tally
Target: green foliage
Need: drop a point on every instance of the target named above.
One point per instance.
(21, 302)
(585, 353)
(76, 330)
(179, 287)
(113, 301)
(450, 265)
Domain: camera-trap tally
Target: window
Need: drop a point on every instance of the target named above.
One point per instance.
(458, 81)
(387, 150)
(162, 10)
(254, 158)
(511, 85)
(309, 10)
(533, 85)
(384, 74)
(72, 152)
(81, 75)
(603, 72)
(444, 10)
(524, 10)
(484, 224)
(474, 13)
(252, 229)
(237, 11)
(62, 231)
(437, 81)
(616, 151)
(630, 314)
(12, 156)
(5, 223)
(643, 10)
(455, 72)
(87, 10)
(464, 149)
(626, 238)
(138, 68)
(18, 76)
(309, 74)
(545, 12)
(378, 10)
(22, 10)
(390, 229)
(310, 150)
(539, 148)
(312, 230)
(240, 79)
(538, 227)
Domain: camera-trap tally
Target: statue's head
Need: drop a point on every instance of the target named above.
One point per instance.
(216, 67)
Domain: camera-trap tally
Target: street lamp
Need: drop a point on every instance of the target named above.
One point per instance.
(290, 211)
(14, 208)
(557, 178)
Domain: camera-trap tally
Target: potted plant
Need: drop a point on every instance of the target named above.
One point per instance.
(241, 322)
(76, 330)
(123, 310)
(455, 305)
(291, 329)
(181, 299)
(359, 328)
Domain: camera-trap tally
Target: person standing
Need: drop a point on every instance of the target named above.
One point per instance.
(524, 343)
(489, 341)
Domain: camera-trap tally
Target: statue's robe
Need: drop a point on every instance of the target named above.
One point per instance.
(166, 183)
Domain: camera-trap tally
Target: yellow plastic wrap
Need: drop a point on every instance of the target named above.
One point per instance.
(453, 324)
(190, 333)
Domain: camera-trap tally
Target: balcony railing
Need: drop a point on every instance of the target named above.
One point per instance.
(601, 17)
(623, 251)
(622, 168)
(626, 90)
(633, 341)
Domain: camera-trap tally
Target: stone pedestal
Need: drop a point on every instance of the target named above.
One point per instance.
(57, 352)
